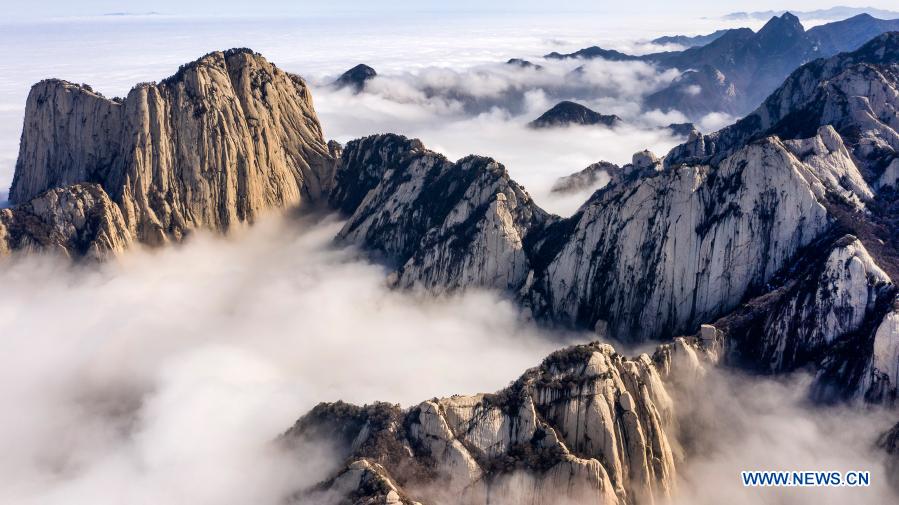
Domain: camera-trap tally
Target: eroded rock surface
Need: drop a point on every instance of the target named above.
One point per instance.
(78, 220)
(227, 138)
(586, 426)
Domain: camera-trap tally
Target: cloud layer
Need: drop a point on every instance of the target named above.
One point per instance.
(163, 378)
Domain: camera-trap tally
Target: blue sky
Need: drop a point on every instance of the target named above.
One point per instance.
(66, 8)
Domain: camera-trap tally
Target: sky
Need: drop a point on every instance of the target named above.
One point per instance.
(65, 8)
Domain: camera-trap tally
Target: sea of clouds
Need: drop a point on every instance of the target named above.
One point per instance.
(163, 377)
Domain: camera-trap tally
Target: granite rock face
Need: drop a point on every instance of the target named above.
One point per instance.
(674, 249)
(816, 310)
(227, 138)
(78, 221)
(654, 253)
(879, 381)
(785, 243)
(586, 426)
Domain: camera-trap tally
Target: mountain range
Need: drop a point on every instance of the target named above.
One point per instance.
(831, 13)
(771, 245)
(736, 70)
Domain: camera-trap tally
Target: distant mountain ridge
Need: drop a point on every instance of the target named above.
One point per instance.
(570, 113)
(734, 72)
(832, 13)
(688, 40)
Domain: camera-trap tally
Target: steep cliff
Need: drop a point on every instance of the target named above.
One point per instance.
(824, 302)
(658, 255)
(217, 144)
(653, 254)
(587, 425)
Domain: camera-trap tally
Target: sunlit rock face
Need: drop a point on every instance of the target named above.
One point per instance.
(78, 220)
(661, 254)
(784, 241)
(222, 141)
(586, 426)
(880, 381)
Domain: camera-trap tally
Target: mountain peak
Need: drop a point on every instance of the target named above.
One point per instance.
(225, 100)
(356, 77)
(567, 113)
(786, 25)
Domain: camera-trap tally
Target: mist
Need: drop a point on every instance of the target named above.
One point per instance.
(163, 377)
(485, 109)
(731, 422)
(166, 375)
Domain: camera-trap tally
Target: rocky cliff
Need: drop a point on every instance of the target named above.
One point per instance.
(586, 426)
(652, 255)
(227, 138)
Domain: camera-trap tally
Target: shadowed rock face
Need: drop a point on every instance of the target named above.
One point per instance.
(889, 442)
(356, 77)
(570, 113)
(683, 129)
(586, 426)
(518, 62)
(689, 41)
(227, 138)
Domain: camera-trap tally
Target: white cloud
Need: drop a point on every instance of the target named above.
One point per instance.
(163, 377)
(733, 423)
